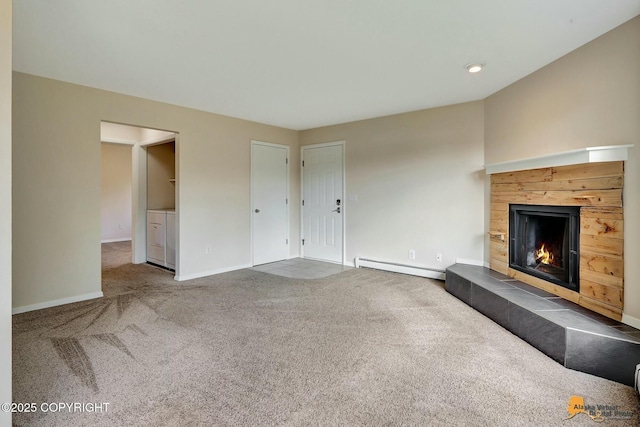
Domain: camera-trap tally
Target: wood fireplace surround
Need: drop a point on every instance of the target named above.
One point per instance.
(596, 188)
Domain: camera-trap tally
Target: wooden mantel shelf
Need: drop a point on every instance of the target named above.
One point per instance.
(609, 153)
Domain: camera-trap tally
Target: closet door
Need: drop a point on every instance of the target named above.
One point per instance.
(269, 200)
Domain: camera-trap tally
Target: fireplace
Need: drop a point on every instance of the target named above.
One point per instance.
(595, 191)
(544, 242)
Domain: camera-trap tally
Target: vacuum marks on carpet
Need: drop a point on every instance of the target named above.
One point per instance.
(74, 332)
(74, 356)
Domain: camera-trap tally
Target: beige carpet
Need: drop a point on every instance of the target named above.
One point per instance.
(249, 348)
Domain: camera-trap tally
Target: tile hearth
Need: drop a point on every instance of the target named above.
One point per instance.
(577, 338)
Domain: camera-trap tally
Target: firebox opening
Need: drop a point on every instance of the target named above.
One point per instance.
(544, 241)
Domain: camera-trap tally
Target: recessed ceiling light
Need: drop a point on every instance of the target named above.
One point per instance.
(474, 68)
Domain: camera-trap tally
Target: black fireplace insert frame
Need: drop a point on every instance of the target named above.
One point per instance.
(519, 213)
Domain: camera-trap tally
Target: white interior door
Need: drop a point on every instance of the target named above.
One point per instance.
(269, 204)
(323, 202)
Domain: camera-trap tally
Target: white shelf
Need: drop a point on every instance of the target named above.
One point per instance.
(609, 153)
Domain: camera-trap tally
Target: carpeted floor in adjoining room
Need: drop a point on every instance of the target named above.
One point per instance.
(361, 347)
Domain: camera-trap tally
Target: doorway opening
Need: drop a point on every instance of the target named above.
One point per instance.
(115, 202)
(140, 141)
(161, 204)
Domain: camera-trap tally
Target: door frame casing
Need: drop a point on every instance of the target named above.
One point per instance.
(288, 225)
(343, 144)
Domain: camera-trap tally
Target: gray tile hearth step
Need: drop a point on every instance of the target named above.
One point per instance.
(571, 335)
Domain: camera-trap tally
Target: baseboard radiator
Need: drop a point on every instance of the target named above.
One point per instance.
(432, 273)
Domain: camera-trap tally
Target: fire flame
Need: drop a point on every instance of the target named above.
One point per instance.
(544, 255)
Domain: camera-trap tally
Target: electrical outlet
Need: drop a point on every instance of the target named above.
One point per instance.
(121, 226)
(207, 250)
(412, 254)
(439, 257)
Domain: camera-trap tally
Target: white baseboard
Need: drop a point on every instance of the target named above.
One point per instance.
(631, 321)
(210, 272)
(401, 268)
(116, 240)
(57, 302)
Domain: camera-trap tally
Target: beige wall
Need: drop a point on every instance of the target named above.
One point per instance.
(5, 206)
(56, 250)
(419, 182)
(590, 97)
(116, 192)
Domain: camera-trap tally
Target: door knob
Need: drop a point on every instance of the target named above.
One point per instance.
(336, 210)
(257, 211)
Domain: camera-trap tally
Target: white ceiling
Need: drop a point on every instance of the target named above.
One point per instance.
(302, 64)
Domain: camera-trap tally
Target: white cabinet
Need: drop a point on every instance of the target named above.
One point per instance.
(161, 238)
